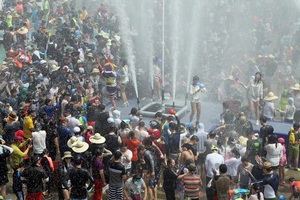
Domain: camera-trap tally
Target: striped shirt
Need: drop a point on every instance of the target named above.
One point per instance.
(192, 184)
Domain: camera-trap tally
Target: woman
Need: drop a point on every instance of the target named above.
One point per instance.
(64, 170)
(123, 81)
(170, 179)
(192, 183)
(195, 90)
(233, 163)
(112, 140)
(274, 150)
(98, 174)
(255, 94)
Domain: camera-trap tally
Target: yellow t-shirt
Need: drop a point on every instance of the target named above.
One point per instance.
(17, 155)
(28, 124)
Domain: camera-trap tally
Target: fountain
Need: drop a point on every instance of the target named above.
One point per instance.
(168, 30)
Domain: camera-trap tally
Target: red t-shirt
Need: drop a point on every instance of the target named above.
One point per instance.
(132, 145)
(155, 133)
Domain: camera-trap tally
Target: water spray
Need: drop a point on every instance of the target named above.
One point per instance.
(138, 103)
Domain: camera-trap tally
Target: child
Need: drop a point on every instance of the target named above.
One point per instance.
(289, 111)
(282, 162)
(294, 188)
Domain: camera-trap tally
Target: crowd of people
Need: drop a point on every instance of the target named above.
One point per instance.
(57, 133)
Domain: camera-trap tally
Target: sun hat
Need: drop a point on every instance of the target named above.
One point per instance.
(97, 139)
(80, 146)
(71, 141)
(89, 128)
(13, 116)
(281, 140)
(67, 154)
(213, 148)
(22, 105)
(90, 55)
(296, 87)
(22, 30)
(95, 70)
(54, 68)
(270, 97)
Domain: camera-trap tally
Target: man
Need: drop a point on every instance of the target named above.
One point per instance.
(212, 161)
(38, 139)
(28, 126)
(35, 177)
(265, 130)
(79, 177)
(117, 175)
(254, 147)
(221, 183)
(202, 136)
(142, 131)
(191, 145)
(126, 158)
(294, 140)
(10, 128)
(149, 161)
(174, 141)
(135, 188)
(101, 125)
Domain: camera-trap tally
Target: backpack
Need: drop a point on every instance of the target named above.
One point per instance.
(292, 137)
(256, 150)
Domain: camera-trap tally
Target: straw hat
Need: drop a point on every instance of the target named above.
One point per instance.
(296, 87)
(270, 97)
(71, 141)
(97, 139)
(67, 154)
(54, 68)
(95, 70)
(13, 116)
(90, 55)
(230, 78)
(22, 30)
(103, 34)
(80, 147)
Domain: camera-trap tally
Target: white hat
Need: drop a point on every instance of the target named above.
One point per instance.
(97, 139)
(53, 68)
(43, 61)
(71, 141)
(76, 129)
(80, 147)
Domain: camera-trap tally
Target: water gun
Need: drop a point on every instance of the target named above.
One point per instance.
(237, 192)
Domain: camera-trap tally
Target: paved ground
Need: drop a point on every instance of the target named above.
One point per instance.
(161, 195)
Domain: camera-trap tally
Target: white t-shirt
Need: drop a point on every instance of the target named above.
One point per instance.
(213, 160)
(274, 154)
(124, 161)
(142, 135)
(232, 166)
(39, 141)
(52, 91)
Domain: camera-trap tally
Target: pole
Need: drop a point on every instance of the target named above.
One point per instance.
(163, 53)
